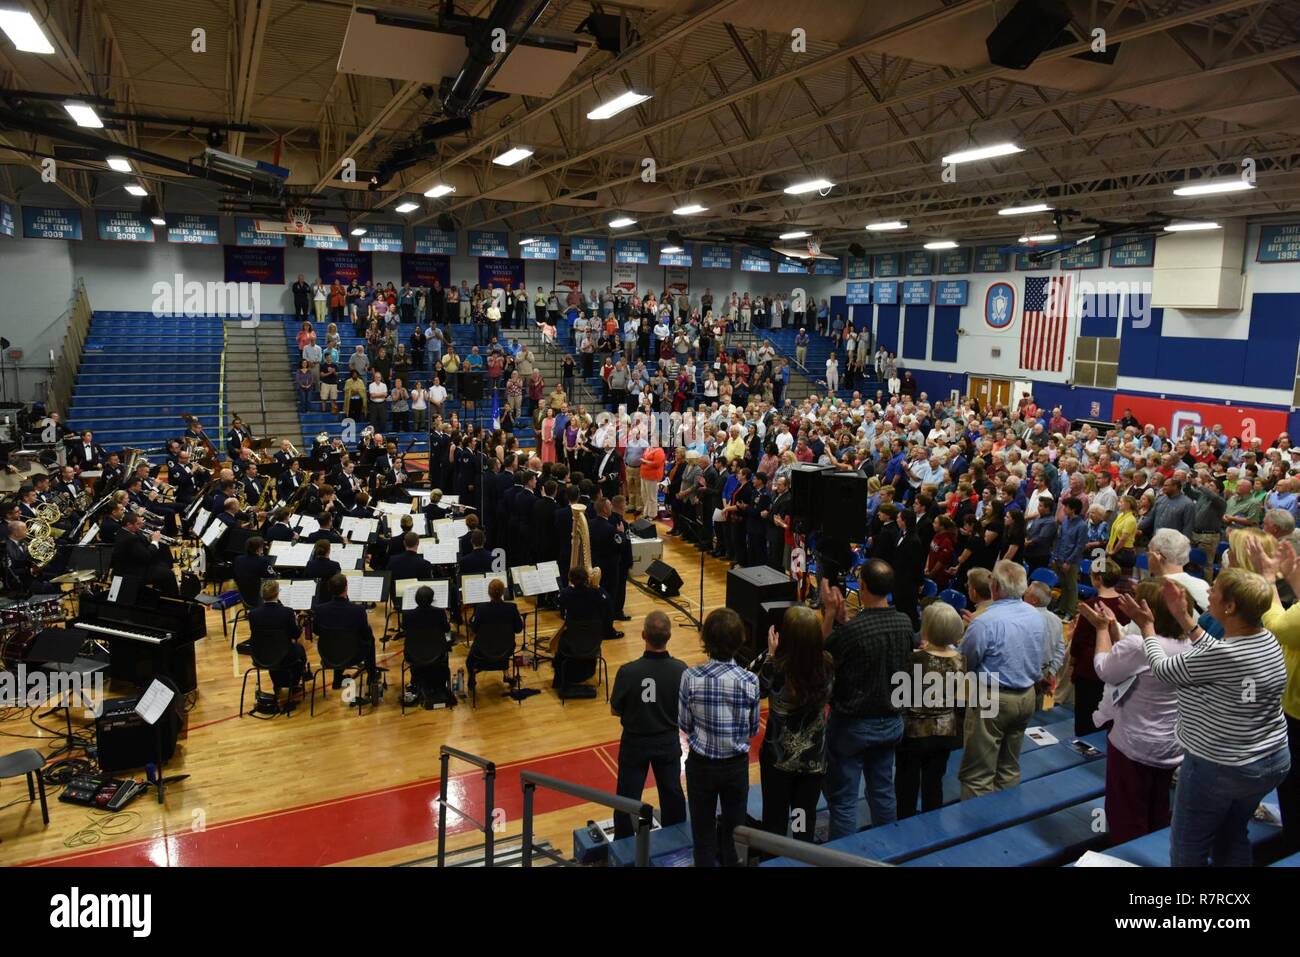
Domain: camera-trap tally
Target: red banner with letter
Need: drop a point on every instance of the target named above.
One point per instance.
(1244, 421)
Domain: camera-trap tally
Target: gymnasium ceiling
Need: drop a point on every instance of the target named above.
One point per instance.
(883, 90)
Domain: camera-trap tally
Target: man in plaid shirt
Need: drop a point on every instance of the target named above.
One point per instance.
(718, 711)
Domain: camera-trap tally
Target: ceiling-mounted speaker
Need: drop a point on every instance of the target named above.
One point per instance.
(446, 223)
(606, 28)
(857, 250)
(1026, 32)
(675, 238)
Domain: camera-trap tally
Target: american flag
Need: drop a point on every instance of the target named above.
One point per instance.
(1042, 334)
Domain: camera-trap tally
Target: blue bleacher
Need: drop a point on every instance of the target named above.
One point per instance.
(819, 348)
(140, 373)
(1152, 850)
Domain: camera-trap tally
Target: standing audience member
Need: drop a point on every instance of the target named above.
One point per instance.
(795, 673)
(717, 710)
(1006, 643)
(650, 738)
(932, 729)
(865, 725)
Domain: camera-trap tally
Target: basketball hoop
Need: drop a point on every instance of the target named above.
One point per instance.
(300, 218)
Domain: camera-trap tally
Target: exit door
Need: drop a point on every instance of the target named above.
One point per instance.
(991, 392)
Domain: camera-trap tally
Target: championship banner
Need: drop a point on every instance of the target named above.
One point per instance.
(496, 271)
(623, 276)
(42, 222)
(246, 234)
(255, 264)
(328, 242)
(431, 241)
(1244, 421)
(677, 280)
(345, 266)
(492, 245)
(588, 249)
(6, 219)
(193, 229)
(382, 238)
(568, 276)
(123, 226)
(421, 269)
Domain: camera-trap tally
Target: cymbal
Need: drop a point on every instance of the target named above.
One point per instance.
(74, 578)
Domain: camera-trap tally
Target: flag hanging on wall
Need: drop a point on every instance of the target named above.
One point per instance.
(1043, 333)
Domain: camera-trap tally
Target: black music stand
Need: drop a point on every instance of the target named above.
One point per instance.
(56, 651)
(163, 685)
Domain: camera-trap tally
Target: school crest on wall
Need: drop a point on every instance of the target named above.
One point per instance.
(1000, 305)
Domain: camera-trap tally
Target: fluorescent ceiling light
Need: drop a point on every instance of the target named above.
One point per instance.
(798, 234)
(941, 244)
(119, 163)
(1022, 210)
(1189, 227)
(359, 231)
(136, 189)
(621, 222)
(1039, 238)
(24, 32)
(671, 249)
(158, 220)
(886, 226)
(690, 210)
(624, 101)
(442, 189)
(812, 186)
(84, 115)
(1085, 239)
(982, 152)
(408, 207)
(512, 156)
(1232, 185)
(526, 241)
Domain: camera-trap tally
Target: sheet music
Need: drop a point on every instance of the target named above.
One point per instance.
(306, 525)
(441, 591)
(474, 590)
(348, 556)
(359, 529)
(214, 532)
(537, 582)
(438, 553)
(153, 703)
(291, 554)
(366, 589)
(90, 535)
(299, 595)
(419, 493)
(550, 569)
(419, 524)
(201, 519)
(517, 574)
(394, 508)
(451, 500)
(92, 474)
(454, 530)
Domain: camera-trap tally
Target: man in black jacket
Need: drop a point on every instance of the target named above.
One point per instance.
(478, 561)
(338, 614)
(301, 300)
(408, 563)
(251, 567)
(140, 556)
(542, 525)
(519, 548)
(270, 615)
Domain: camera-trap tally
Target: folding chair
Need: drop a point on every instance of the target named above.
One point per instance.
(494, 649)
(269, 649)
(581, 642)
(340, 651)
(421, 649)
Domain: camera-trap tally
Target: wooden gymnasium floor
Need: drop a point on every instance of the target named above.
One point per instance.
(343, 789)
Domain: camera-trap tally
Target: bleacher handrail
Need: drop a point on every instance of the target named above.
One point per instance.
(489, 769)
(803, 851)
(221, 382)
(63, 378)
(644, 814)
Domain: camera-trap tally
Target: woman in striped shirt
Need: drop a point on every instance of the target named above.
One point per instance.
(1230, 720)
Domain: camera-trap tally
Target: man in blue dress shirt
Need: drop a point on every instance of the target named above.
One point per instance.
(1003, 647)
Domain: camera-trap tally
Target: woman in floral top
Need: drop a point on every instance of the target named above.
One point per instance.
(795, 673)
(932, 711)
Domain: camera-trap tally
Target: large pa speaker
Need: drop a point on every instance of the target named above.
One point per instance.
(1025, 32)
(644, 528)
(803, 493)
(747, 591)
(664, 579)
(471, 386)
(842, 504)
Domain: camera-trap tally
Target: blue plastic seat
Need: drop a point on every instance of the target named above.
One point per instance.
(953, 597)
(1046, 576)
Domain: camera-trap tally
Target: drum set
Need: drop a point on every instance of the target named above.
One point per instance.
(21, 621)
